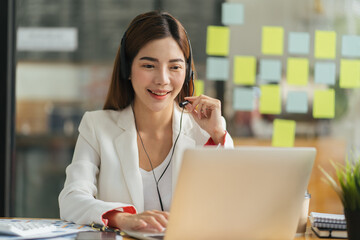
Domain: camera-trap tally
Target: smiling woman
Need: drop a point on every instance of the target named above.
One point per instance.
(141, 31)
(128, 155)
(158, 74)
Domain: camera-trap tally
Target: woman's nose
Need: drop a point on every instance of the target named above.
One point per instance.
(163, 76)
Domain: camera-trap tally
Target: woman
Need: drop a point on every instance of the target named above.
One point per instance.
(128, 155)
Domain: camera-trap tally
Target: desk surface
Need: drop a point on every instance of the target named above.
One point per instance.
(309, 235)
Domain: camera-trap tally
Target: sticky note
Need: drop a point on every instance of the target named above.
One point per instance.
(232, 13)
(297, 102)
(349, 73)
(272, 40)
(270, 70)
(325, 44)
(350, 46)
(324, 103)
(244, 99)
(217, 40)
(270, 99)
(283, 133)
(297, 71)
(217, 68)
(324, 73)
(244, 70)
(299, 43)
(199, 87)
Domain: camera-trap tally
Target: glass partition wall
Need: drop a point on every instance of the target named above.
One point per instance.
(65, 52)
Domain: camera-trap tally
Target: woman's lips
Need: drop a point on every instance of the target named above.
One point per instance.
(158, 94)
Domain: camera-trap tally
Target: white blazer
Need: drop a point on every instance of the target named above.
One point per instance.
(104, 173)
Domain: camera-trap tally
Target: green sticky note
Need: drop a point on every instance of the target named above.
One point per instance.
(272, 40)
(324, 103)
(199, 87)
(270, 99)
(217, 40)
(297, 71)
(283, 133)
(244, 70)
(325, 44)
(349, 73)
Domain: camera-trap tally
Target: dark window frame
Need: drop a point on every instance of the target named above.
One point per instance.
(7, 103)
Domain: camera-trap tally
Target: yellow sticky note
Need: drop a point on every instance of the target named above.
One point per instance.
(199, 87)
(217, 40)
(325, 44)
(297, 71)
(272, 40)
(349, 73)
(283, 133)
(324, 104)
(270, 99)
(244, 70)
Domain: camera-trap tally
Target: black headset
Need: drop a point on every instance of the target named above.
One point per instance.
(124, 64)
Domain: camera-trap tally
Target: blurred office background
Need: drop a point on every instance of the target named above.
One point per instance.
(68, 73)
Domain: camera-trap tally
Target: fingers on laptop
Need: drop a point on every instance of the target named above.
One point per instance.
(151, 221)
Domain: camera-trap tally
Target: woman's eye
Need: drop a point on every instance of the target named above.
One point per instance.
(148, 66)
(176, 67)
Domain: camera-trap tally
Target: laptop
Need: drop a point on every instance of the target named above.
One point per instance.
(242, 193)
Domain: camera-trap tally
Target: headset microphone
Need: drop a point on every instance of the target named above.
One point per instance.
(183, 104)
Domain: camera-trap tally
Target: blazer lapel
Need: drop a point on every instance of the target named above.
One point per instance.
(126, 147)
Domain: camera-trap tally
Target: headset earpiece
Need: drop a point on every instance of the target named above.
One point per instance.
(123, 62)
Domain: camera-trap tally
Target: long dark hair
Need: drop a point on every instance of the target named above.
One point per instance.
(143, 29)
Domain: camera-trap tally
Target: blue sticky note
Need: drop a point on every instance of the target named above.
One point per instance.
(270, 70)
(325, 73)
(350, 46)
(243, 99)
(299, 42)
(232, 13)
(217, 68)
(297, 102)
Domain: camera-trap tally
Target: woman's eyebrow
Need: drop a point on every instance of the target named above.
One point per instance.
(156, 60)
(176, 60)
(149, 59)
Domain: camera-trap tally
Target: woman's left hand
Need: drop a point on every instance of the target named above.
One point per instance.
(207, 113)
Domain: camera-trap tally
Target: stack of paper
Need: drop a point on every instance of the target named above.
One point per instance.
(328, 225)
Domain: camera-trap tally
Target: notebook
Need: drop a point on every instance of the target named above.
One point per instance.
(327, 220)
(329, 233)
(241, 193)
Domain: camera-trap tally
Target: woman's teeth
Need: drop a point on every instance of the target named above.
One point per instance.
(159, 94)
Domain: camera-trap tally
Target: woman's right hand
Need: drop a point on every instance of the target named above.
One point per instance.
(149, 221)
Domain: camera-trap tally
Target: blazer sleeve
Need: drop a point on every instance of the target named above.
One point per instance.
(77, 200)
(228, 141)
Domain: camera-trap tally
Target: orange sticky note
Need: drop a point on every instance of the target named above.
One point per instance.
(283, 133)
